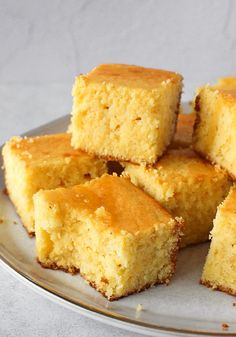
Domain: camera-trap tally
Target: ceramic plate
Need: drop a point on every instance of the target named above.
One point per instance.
(183, 307)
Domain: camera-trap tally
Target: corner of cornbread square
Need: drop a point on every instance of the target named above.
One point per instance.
(119, 238)
(215, 127)
(186, 186)
(220, 268)
(44, 162)
(125, 112)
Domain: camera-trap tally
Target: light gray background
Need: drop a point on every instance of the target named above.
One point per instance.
(44, 44)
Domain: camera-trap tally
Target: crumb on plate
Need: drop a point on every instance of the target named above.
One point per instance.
(139, 307)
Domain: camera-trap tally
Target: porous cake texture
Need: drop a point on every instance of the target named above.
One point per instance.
(186, 186)
(215, 128)
(125, 112)
(44, 162)
(119, 238)
(220, 268)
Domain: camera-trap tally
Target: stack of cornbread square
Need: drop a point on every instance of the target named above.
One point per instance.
(122, 233)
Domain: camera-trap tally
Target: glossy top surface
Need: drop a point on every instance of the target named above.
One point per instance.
(180, 163)
(34, 149)
(131, 75)
(115, 203)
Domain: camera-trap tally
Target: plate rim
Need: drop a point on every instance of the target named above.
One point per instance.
(108, 317)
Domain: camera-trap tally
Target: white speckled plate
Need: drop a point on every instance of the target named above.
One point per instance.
(183, 307)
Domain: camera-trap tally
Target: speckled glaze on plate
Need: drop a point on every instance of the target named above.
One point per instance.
(182, 308)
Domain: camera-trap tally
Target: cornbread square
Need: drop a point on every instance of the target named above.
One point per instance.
(119, 238)
(124, 112)
(184, 131)
(220, 268)
(44, 162)
(186, 186)
(215, 127)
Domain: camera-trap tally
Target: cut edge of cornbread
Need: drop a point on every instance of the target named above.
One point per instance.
(124, 130)
(206, 142)
(212, 274)
(122, 238)
(180, 179)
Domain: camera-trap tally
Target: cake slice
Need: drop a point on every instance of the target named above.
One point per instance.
(119, 238)
(125, 112)
(186, 186)
(44, 162)
(215, 127)
(220, 268)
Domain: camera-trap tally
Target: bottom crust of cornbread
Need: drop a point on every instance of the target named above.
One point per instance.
(113, 298)
(218, 287)
(54, 266)
(74, 271)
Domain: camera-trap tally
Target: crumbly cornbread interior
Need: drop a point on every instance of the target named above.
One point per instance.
(186, 186)
(215, 128)
(220, 268)
(120, 239)
(131, 112)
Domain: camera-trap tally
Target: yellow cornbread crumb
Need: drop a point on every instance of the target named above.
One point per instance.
(186, 186)
(125, 112)
(215, 127)
(119, 238)
(219, 271)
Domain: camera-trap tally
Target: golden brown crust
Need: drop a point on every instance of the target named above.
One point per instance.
(197, 109)
(4, 191)
(114, 298)
(54, 266)
(218, 287)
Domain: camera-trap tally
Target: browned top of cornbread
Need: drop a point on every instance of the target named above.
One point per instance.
(178, 164)
(226, 83)
(226, 88)
(184, 130)
(113, 201)
(34, 149)
(229, 204)
(131, 75)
